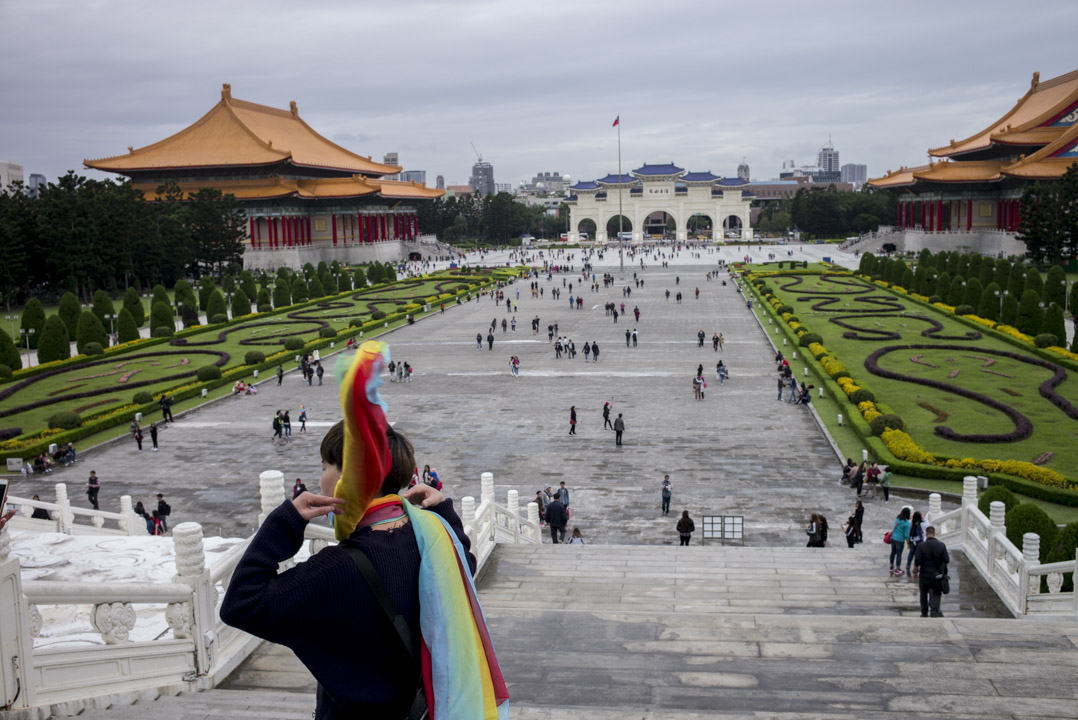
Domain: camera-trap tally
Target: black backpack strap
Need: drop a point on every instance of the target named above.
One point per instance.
(389, 609)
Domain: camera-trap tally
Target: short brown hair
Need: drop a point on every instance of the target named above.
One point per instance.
(401, 456)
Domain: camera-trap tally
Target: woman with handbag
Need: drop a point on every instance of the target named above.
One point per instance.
(898, 536)
(685, 527)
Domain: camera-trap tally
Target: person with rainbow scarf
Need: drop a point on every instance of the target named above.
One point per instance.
(329, 611)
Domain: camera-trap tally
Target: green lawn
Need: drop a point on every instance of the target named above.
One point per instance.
(174, 364)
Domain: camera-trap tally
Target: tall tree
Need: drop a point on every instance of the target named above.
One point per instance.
(90, 330)
(69, 312)
(1030, 315)
(33, 322)
(9, 354)
(126, 329)
(133, 305)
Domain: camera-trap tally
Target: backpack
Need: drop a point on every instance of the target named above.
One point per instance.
(166, 509)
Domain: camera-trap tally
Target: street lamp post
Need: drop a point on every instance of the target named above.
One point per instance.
(11, 319)
(112, 325)
(27, 332)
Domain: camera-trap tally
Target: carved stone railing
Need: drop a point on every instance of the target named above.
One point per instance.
(63, 516)
(1015, 575)
(198, 650)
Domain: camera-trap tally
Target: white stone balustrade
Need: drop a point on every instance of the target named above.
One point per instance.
(271, 492)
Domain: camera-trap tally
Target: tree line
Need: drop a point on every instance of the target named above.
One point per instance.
(94, 327)
(830, 213)
(1048, 219)
(999, 290)
(497, 219)
(80, 235)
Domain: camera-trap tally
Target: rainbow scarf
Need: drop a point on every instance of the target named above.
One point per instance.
(460, 670)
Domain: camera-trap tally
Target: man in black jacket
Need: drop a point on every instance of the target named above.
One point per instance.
(930, 562)
(557, 518)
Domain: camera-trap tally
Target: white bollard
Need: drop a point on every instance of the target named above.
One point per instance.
(840, 418)
(65, 517)
(467, 508)
(131, 522)
(864, 455)
(138, 418)
(486, 485)
(820, 389)
(190, 557)
(1031, 554)
(783, 340)
(533, 518)
(794, 354)
(332, 345)
(935, 507)
(806, 371)
(205, 392)
(271, 489)
(996, 514)
(969, 491)
(256, 373)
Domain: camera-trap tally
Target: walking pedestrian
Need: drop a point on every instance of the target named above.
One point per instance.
(721, 339)
(782, 384)
(163, 511)
(634, 337)
(685, 527)
(850, 530)
(153, 435)
(278, 426)
(479, 341)
(917, 536)
(815, 538)
(280, 375)
(606, 417)
(859, 516)
(572, 420)
(166, 408)
(287, 423)
(700, 338)
(319, 371)
(577, 538)
(302, 418)
(595, 351)
(619, 428)
(885, 483)
(490, 341)
(564, 494)
(667, 494)
(93, 487)
(900, 533)
(628, 336)
(930, 563)
(137, 433)
(557, 517)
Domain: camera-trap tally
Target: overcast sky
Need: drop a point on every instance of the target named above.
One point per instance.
(535, 85)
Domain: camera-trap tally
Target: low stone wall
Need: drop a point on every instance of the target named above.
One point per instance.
(296, 257)
(989, 242)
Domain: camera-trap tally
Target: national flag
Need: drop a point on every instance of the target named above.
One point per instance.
(616, 121)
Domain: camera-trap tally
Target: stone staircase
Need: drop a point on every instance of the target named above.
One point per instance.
(669, 633)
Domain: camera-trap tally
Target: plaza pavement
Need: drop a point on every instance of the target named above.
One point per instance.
(739, 452)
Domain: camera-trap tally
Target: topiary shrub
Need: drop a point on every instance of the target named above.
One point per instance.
(784, 309)
(161, 331)
(1065, 545)
(964, 310)
(840, 374)
(1046, 340)
(218, 319)
(293, 343)
(126, 328)
(55, 343)
(89, 330)
(65, 420)
(265, 307)
(1028, 518)
(356, 322)
(327, 332)
(863, 395)
(888, 421)
(378, 315)
(142, 398)
(5, 371)
(209, 372)
(996, 493)
(92, 348)
(254, 357)
(809, 338)
(935, 299)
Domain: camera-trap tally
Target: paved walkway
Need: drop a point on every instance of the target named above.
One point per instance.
(739, 451)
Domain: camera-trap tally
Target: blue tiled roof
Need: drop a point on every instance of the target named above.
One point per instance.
(733, 182)
(571, 198)
(700, 177)
(668, 169)
(747, 193)
(613, 179)
(585, 185)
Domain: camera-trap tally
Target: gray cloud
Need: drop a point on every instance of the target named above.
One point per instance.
(536, 86)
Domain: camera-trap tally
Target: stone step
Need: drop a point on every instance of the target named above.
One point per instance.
(719, 580)
(214, 705)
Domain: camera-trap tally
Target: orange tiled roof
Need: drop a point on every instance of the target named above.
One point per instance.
(240, 133)
(1041, 103)
(968, 171)
(1051, 161)
(276, 187)
(405, 190)
(898, 178)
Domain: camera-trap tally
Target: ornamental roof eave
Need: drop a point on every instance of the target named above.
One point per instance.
(664, 169)
(699, 178)
(1050, 162)
(356, 186)
(398, 189)
(976, 171)
(585, 185)
(237, 133)
(616, 180)
(1040, 104)
(903, 177)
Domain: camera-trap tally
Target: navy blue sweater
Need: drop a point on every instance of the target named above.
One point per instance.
(323, 610)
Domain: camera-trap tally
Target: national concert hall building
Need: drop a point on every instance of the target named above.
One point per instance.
(306, 199)
(968, 198)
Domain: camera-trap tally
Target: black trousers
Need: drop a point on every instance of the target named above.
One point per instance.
(931, 594)
(685, 539)
(555, 532)
(666, 505)
(617, 438)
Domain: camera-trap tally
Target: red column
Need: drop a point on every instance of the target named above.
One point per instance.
(271, 233)
(251, 225)
(939, 216)
(334, 229)
(289, 235)
(999, 215)
(969, 215)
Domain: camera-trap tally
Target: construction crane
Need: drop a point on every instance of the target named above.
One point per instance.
(477, 155)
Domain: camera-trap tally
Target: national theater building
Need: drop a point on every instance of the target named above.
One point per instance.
(968, 198)
(654, 196)
(306, 199)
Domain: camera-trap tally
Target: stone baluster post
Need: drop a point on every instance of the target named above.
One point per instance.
(533, 517)
(486, 495)
(132, 523)
(16, 636)
(1027, 585)
(467, 518)
(969, 500)
(271, 488)
(198, 619)
(935, 509)
(513, 505)
(64, 518)
(996, 533)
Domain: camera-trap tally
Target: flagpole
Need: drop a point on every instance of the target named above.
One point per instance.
(621, 217)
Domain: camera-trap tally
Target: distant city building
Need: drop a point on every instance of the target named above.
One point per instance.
(503, 187)
(416, 176)
(827, 158)
(482, 180)
(439, 183)
(743, 171)
(854, 174)
(788, 187)
(546, 183)
(9, 173)
(37, 181)
(459, 190)
(391, 159)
